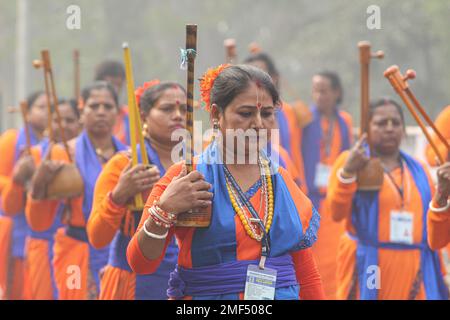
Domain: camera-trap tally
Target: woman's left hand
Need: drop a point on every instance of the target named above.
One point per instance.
(443, 187)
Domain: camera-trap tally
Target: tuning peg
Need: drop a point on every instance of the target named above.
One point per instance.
(364, 44)
(12, 109)
(254, 48)
(409, 75)
(391, 70)
(229, 43)
(38, 63)
(379, 54)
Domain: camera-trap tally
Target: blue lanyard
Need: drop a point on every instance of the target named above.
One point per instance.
(265, 241)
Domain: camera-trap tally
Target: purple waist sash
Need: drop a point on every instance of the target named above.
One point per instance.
(226, 278)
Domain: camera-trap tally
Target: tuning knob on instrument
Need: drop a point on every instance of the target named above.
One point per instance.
(12, 109)
(391, 70)
(229, 43)
(37, 63)
(379, 54)
(409, 75)
(254, 48)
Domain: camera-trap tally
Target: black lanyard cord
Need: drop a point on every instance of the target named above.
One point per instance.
(400, 189)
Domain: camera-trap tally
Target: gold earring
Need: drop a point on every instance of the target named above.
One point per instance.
(145, 130)
(215, 129)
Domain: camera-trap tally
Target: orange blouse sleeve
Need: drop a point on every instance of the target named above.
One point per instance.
(14, 194)
(308, 275)
(40, 214)
(3, 182)
(442, 124)
(137, 261)
(339, 196)
(105, 217)
(13, 198)
(438, 229)
(8, 142)
(438, 224)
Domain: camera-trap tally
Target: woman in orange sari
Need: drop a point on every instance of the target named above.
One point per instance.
(39, 245)
(260, 218)
(77, 265)
(384, 255)
(114, 73)
(163, 110)
(16, 168)
(322, 140)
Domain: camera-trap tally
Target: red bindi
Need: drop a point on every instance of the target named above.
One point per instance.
(258, 103)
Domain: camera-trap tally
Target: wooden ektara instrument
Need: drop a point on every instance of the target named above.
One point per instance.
(192, 218)
(370, 178)
(67, 182)
(135, 126)
(24, 112)
(400, 84)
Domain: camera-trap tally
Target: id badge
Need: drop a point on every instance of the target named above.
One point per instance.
(322, 175)
(401, 227)
(260, 284)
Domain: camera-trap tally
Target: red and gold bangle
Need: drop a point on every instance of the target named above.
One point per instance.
(164, 214)
(161, 218)
(161, 222)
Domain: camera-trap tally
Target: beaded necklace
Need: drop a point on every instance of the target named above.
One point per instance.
(242, 210)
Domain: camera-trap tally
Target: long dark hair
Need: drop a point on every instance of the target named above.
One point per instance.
(99, 85)
(32, 97)
(234, 80)
(335, 81)
(72, 103)
(267, 60)
(384, 101)
(152, 94)
(109, 68)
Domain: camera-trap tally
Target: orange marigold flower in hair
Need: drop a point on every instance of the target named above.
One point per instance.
(140, 91)
(207, 82)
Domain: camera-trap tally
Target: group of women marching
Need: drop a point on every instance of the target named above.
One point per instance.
(299, 223)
